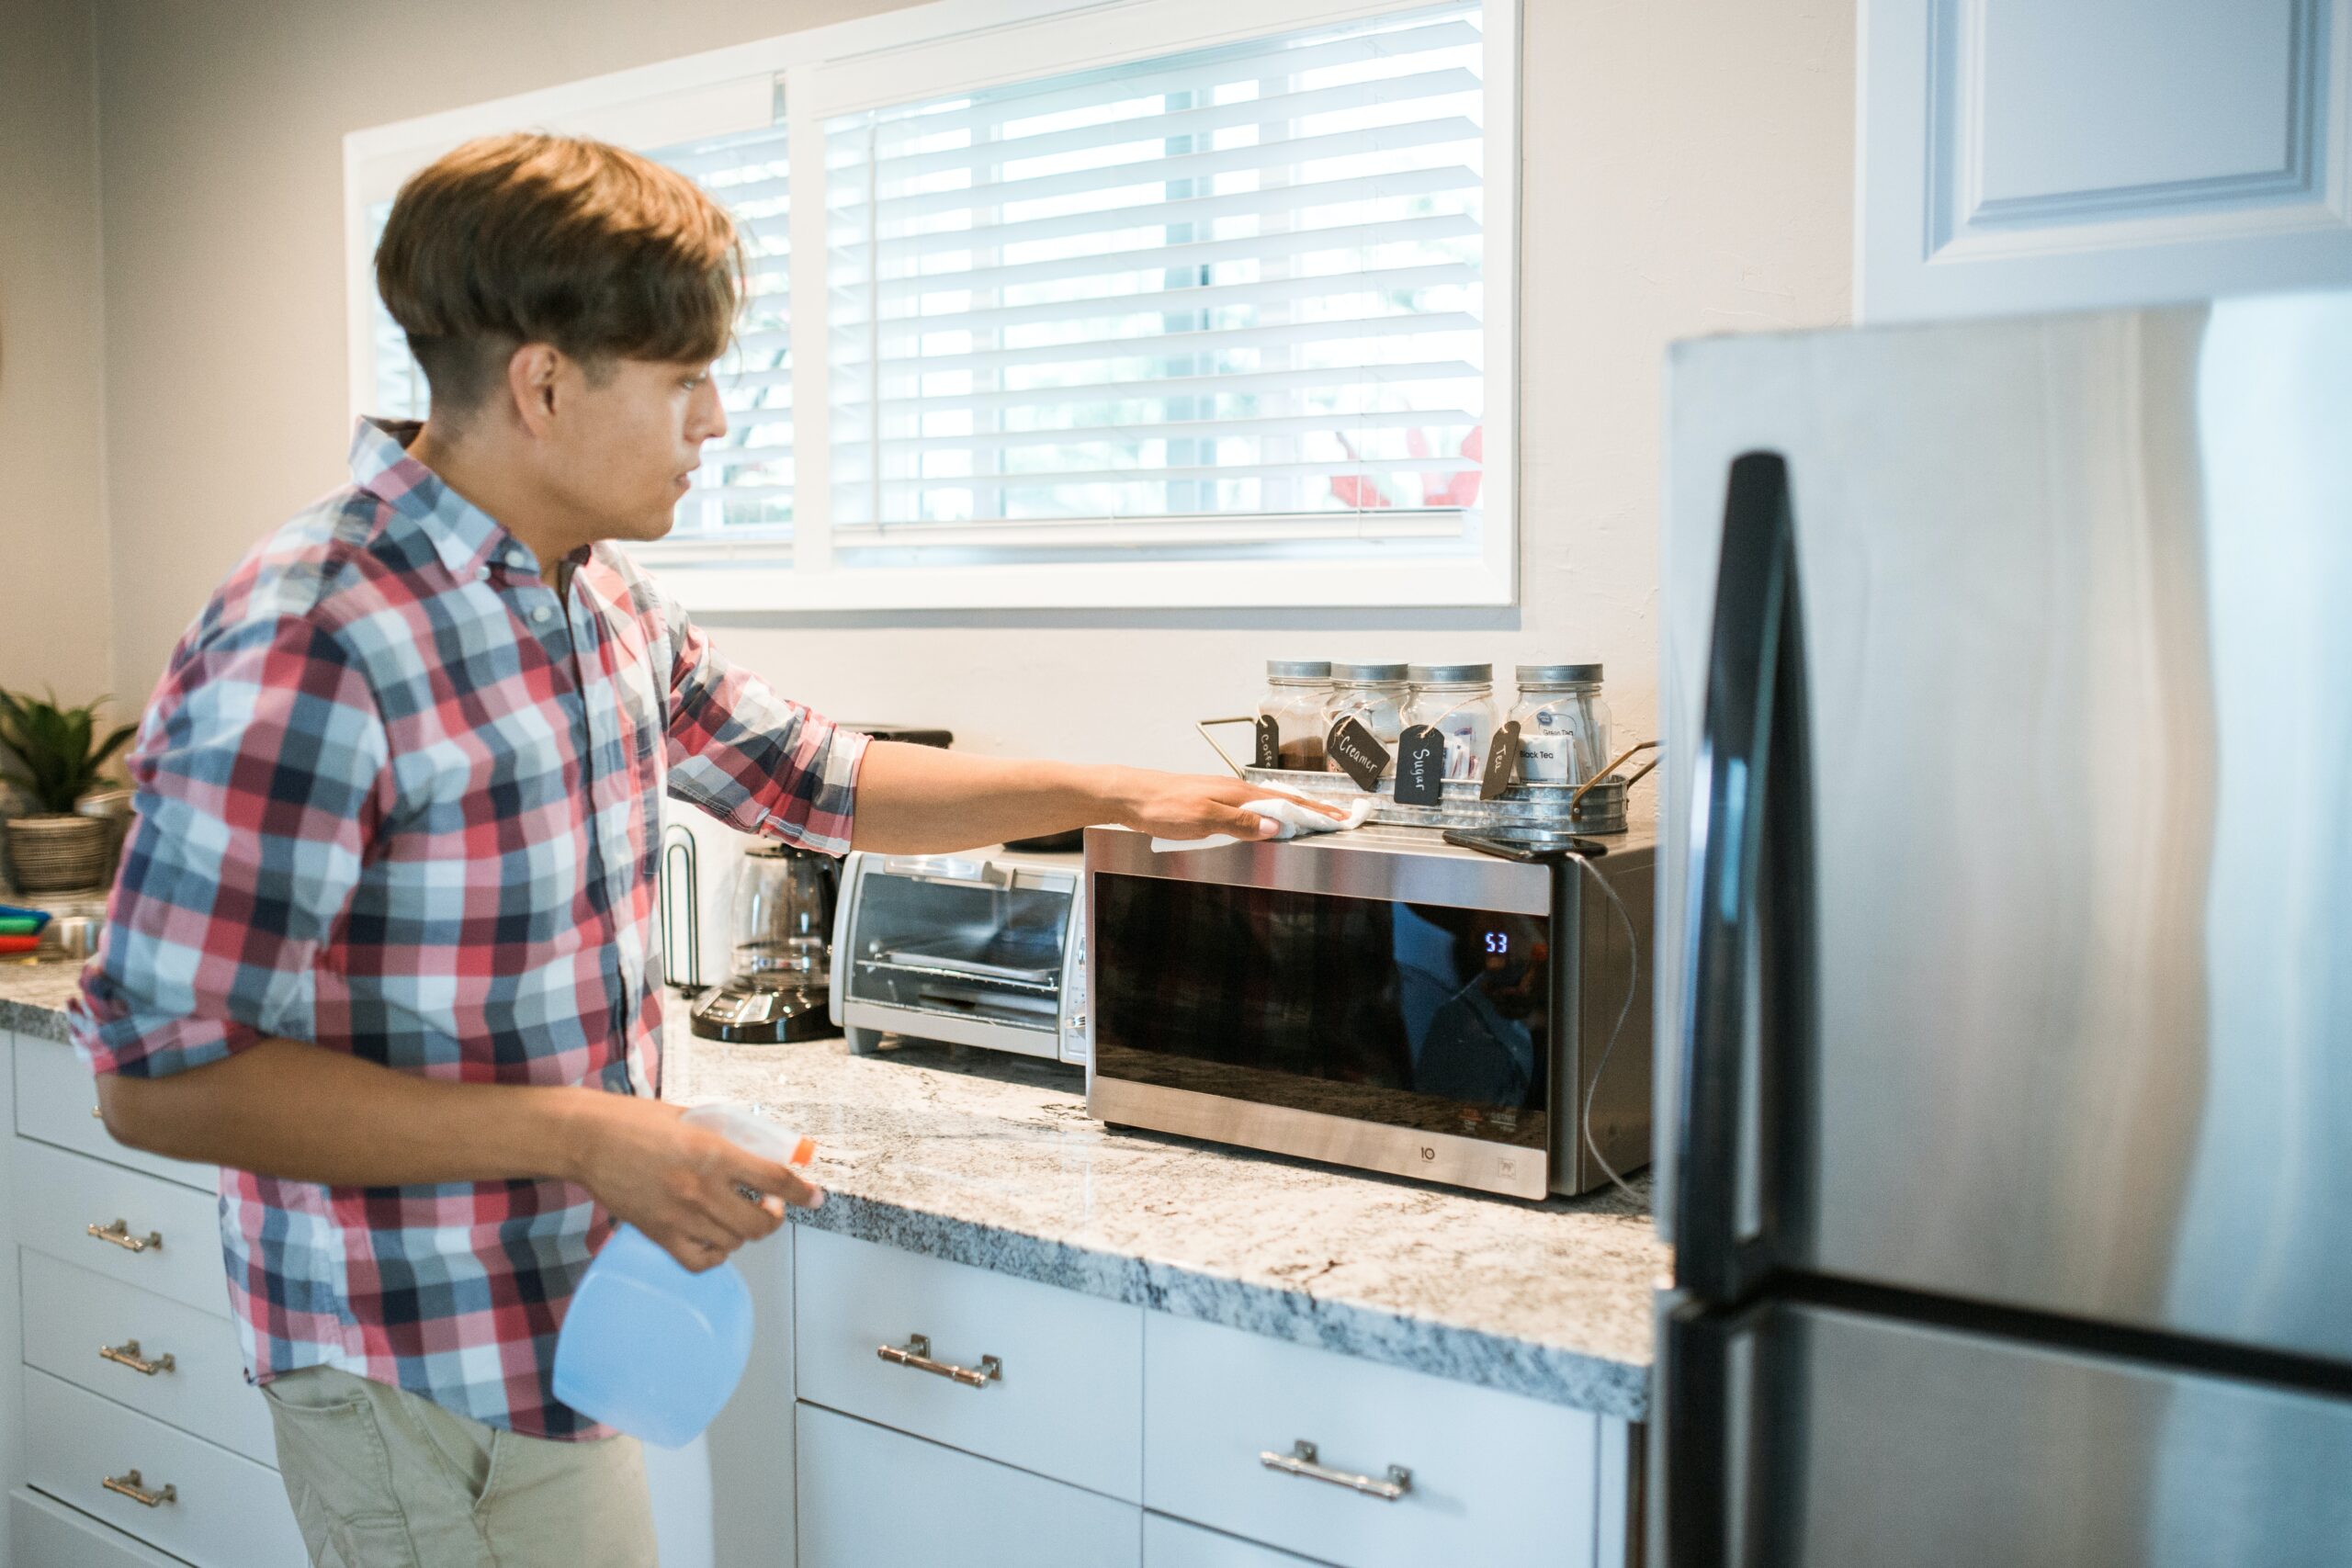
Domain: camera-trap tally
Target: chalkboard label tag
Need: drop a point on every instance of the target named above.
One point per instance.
(1270, 742)
(1421, 767)
(1502, 761)
(1359, 752)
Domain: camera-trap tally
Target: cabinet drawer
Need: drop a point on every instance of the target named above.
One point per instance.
(71, 1313)
(226, 1511)
(55, 1101)
(869, 1496)
(1171, 1543)
(60, 1196)
(1068, 1403)
(1493, 1478)
(47, 1534)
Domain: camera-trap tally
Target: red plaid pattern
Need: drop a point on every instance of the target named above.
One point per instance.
(400, 797)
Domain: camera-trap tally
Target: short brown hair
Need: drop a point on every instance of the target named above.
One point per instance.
(528, 238)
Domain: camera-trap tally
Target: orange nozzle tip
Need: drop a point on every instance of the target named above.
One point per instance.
(803, 1152)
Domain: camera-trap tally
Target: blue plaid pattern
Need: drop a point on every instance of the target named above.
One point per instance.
(400, 797)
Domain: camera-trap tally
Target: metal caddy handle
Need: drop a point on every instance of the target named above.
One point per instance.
(916, 1353)
(1301, 1461)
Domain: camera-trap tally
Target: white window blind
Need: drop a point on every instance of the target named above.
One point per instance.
(1227, 298)
(744, 487)
(1154, 303)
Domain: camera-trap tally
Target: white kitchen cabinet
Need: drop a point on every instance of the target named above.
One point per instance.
(749, 1448)
(2022, 155)
(1052, 1380)
(873, 1498)
(57, 1103)
(47, 1534)
(158, 1356)
(1475, 1475)
(191, 1499)
(14, 1550)
(152, 1233)
(1172, 1543)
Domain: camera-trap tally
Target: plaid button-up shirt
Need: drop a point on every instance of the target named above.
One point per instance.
(399, 797)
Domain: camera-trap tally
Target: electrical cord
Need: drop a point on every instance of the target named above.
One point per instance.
(1632, 984)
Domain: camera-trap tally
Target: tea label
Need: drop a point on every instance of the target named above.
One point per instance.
(1502, 762)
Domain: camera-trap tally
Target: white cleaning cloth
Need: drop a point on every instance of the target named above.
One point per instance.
(1290, 818)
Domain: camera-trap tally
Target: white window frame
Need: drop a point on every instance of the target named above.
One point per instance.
(931, 51)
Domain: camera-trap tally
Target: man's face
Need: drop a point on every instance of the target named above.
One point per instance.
(627, 443)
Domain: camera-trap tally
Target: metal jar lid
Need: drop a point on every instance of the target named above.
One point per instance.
(1298, 668)
(1370, 674)
(1559, 674)
(1451, 674)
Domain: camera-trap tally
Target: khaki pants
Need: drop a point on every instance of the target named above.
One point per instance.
(383, 1478)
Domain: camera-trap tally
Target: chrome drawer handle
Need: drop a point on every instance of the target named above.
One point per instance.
(917, 1354)
(128, 1485)
(1300, 1460)
(126, 1355)
(119, 1234)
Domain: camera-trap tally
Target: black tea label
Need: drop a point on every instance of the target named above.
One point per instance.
(1358, 752)
(1421, 767)
(1502, 762)
(1270, 742)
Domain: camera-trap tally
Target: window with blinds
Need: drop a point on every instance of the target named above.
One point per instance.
(743, 489)
(1226, 297)
(1098, 302)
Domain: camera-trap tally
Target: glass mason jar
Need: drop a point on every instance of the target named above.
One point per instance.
(1458, 701)
(1374, 695)
(1297, 692)
(1562, 722)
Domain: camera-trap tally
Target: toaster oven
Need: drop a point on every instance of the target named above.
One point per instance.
(984, 948)
(1379, 998)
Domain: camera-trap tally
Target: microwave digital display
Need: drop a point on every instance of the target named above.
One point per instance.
(1420, 1016)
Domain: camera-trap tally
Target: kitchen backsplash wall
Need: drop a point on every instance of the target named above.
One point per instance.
(53, 555)
(1688, 169)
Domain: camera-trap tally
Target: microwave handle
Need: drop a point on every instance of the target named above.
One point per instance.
(948, 870)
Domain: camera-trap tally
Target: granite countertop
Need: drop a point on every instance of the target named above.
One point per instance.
(991, 1161)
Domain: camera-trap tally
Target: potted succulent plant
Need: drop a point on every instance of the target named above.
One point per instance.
(53, 755)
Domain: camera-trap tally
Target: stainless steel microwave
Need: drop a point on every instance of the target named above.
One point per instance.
(1378, 998)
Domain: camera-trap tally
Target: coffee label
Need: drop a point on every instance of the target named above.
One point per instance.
(1358, 752)
(1421, 767)
(1502, 762)
(1270, 742)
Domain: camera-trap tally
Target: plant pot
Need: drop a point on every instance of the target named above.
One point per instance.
(57, 853)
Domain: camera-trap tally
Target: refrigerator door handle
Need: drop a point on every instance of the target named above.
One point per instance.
(1748, 900)
(1707, 1389)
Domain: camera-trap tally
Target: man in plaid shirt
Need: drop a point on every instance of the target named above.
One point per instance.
(382, 944)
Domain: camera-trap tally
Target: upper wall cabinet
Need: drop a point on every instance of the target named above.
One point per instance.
(2059, 154)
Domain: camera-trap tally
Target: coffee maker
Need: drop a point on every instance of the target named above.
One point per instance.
(746, 922)
(780, 958)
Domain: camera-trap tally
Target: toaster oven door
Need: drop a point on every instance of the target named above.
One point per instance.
(1390, 1011)
(948, 943)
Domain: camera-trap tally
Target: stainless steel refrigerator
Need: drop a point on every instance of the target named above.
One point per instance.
(2005, 1001)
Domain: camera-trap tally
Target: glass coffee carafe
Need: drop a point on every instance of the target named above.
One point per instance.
(780, 951)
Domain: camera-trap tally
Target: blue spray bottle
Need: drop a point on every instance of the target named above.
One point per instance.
(649, 1347)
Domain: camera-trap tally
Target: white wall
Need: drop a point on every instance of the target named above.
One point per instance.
(54, 558)
(1689, 169)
